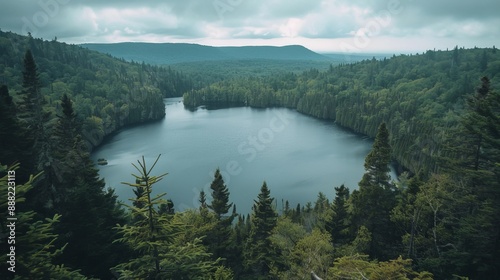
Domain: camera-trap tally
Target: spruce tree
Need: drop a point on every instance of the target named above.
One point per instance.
(220, 196)
(90, 211)
(14, 146)
(260, 254)
(372, 203)
(219, 239)
(338, 223)
(36, 240)
(378, 160)
(160, 250)
(32, 115)
(472, 158)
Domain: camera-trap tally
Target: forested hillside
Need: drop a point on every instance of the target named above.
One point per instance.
(57, 102)
(107, 93)
(437, 113)
(172, 53)
(419, 96)
(206, 64)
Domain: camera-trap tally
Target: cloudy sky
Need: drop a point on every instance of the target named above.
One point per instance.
(321, 25)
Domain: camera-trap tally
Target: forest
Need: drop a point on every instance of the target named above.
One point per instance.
(420, 97)
(108, 93)
(436, 114)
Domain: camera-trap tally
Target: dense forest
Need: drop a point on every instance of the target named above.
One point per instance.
(439, 221)
(420, 97)
(108, 93)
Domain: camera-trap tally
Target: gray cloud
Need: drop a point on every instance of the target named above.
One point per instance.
(314, 22)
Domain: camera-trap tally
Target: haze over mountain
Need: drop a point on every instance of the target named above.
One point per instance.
(172, 53)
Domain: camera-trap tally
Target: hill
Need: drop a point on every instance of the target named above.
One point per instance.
(419, 96)
(172, 53)
(107, 93)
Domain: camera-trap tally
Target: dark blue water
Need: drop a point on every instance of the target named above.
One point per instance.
(298, 156)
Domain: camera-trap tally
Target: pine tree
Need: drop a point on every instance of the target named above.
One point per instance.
(260, 254)
(338, 223)
(14, 146)
(377, 161)
(472, 158)
(35, 242)
(220, 196)
(143, 236)
(161, 252)
(219, 239)
(90, 211)
(32, 114)
(372, 203)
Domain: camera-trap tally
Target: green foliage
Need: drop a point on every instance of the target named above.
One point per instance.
(161, 248)
(14, 143)
(414, 95)
(445, 218)
(32, 115)
(311, 253)
(220, 196)
(259, 254)
(35, 240)
(116, 92)
(377, 162)
(219, 239)
(358, 267)
(337, 223)
(372, 203)
(470, 159)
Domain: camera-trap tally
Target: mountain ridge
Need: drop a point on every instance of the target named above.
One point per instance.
(172, 53)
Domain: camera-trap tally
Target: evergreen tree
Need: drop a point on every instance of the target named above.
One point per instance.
(143, 236)
(14, 146)
(90, 211)
(161, 252)
(372, 203)
(407, 214)
(35, 240)
(32, 114)
(472, 159)
(219, 240)
(139, 192)
(338, 222)
(220, 196)
(260, 254)
(377, 161)
(203, 205)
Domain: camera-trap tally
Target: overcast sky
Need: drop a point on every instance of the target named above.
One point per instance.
(321, 25)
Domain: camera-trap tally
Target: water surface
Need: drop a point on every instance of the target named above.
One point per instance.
(297, 155)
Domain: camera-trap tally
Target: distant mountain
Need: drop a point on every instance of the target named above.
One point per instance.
(172, 53)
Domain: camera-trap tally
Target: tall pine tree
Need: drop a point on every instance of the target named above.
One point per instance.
(260, 254)
(220, 196)
(372, 203)
(219, 239)
(90, 211)
(338, 223)
(32, 114)
(161, 251)
(473, 158)
(14, 146)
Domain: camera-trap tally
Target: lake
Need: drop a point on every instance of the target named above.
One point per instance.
(297, 155)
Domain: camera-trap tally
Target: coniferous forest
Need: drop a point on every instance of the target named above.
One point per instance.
(436, 114)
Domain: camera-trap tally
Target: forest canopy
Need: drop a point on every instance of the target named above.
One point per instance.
(436, 113)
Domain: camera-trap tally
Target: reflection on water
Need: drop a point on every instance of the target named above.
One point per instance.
(298, 156)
